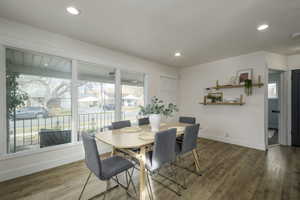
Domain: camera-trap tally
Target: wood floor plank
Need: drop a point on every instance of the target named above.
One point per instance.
(230, 172)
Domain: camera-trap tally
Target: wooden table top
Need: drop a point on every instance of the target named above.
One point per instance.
(123, 138)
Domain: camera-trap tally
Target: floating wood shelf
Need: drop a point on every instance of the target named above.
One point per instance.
(224, 103)
(259, 85)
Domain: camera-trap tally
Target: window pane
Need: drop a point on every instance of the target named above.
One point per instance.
(38, 100)
(272, 91)
(132, 95)
(96, 98)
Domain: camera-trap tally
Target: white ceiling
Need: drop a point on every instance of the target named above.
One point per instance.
(203, 30)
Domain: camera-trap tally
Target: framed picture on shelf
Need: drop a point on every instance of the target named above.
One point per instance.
(244, 74)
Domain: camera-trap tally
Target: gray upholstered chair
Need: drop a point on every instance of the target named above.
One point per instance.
(188, 120)
(120, 124)
(188, 144)
(143, 121)
(163, 153)
(106, 169)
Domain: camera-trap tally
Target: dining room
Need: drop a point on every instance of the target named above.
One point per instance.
(140, 100)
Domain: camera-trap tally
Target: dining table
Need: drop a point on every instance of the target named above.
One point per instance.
(136, 141)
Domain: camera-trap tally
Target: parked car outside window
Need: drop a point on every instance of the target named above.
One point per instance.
(32, 113)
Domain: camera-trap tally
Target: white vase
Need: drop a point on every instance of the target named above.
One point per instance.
(154, 122)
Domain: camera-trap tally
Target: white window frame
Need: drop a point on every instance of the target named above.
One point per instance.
(118, 95)
(3, 134)
(74, 101)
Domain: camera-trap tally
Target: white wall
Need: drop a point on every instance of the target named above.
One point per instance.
(276, 61)
(244, 124)
(26, 37)
(294, 61)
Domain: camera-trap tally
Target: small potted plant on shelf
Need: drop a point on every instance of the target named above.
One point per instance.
(155, 109)
(215, 97)
(248, 87)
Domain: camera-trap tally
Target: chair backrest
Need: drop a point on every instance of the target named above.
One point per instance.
(143, 121)
(120, 124)
(92, 159)
(188, 120)
(164, 148)
(190, 138)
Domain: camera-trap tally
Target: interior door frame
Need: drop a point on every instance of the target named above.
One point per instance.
(284, 108)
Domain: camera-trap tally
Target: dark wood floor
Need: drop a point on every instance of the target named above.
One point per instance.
(229, 172)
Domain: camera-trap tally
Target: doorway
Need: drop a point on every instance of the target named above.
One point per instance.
(274, 107)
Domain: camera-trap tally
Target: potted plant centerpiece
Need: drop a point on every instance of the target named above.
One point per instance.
(155, 109)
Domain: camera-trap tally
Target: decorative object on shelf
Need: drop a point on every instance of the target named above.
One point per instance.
(239, 102)
(232, 80)
(215, 97)
(248, 87)
(155, 109)
(242, 75)
(231, 100)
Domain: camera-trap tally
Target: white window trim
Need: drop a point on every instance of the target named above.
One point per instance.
(146, 91)
(118, 95)
(74, 101)
(3, 134)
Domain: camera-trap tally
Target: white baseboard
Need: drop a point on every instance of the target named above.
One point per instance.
(233, 141)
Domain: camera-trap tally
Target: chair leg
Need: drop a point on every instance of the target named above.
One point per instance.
(176, 178)
(125, 187)
(126, 177)
(87, 180)
(186, 168)
(131, 180)
(166, 186)
(171, 180)
(107, 189)
(149, 188)
(183, 176)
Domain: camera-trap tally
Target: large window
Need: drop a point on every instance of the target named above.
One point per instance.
(52, 100)
(96, 97)
(132, 94)
(38, 100)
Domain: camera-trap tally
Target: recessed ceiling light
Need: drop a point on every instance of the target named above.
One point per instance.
(262, 27)
(72, 10)
(177, 54)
